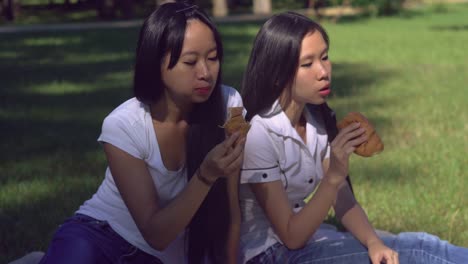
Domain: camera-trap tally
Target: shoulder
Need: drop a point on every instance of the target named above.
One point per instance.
(126, 119)
(260, 134)
(231, 96)
(261, 154)
(130, 112)
(125, 128)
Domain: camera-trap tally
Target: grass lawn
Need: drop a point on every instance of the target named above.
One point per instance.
(407, 74)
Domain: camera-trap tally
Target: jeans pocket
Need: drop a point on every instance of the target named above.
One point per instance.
(136, 256)
(128, 256)
(76, 219)
(90, 221)
(102, 226)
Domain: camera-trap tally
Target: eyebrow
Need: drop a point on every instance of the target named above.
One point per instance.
(196, 53)
(311, 56)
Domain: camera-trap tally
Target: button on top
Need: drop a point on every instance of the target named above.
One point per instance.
(264, 175)
(311, 180)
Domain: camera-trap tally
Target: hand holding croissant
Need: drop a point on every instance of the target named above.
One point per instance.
(374, 144)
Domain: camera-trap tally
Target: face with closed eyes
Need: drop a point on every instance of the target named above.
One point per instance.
(194, 76)
(312, 80)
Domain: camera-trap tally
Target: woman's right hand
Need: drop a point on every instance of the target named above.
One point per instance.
(341, 148)
(224, 159)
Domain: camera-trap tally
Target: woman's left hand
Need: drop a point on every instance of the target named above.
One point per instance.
(379, 253)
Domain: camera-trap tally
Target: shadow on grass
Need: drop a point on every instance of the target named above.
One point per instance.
(59, 122)
(450, 28)
(56, 91)
(351, 79)
(75, 57)
(31, 226)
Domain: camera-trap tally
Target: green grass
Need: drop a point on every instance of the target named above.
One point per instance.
(407, 74)
(409, 77)
(52, 12)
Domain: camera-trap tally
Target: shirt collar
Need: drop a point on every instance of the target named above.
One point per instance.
(280, 123)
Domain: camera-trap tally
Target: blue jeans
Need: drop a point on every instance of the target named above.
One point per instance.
(413, 248)
(83, 239)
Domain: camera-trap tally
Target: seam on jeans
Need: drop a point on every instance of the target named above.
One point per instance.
(424, 252)
(265, 256)
(329, 258)
(134, 250)
(82, 218)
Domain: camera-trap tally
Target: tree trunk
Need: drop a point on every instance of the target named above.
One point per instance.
(106, 9)
(126, 8)
(262, 6)
(345, 4)
(220, 8)
(232, 4)
(11, 9)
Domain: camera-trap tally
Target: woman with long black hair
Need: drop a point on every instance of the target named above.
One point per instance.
(292, 150)
(171, 173)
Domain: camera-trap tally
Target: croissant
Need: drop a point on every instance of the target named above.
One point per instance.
(374, 144)
(236, 122)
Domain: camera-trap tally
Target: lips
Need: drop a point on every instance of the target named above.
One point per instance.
(203, 90)
(325, 90)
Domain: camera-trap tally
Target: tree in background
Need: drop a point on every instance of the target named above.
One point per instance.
(390, 7)
(262, 6)
(107, 9)
(382, 7)
(9, 9)
(315, 5)
(220, 8)
(112, 9)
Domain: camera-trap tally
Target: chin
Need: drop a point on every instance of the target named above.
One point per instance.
(199, 99)
(317, 101)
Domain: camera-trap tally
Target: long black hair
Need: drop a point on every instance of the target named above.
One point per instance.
(274, 59)
(162, 33)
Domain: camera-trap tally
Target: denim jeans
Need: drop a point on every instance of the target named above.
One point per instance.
(413, 248)
(83, 239)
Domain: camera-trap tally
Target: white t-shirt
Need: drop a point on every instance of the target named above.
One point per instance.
(130, 128)
(274, 151)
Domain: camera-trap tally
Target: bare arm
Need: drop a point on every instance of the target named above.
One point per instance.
(355, 220)
(160, 226)
(353, 217)
(294, 229)
(351, 214)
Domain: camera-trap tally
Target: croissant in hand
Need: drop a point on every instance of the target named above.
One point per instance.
(236, 122)
(374, 144)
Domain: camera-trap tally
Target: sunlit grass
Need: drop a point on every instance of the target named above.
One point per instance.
(51, 41)
(417, 183)
(60, 87)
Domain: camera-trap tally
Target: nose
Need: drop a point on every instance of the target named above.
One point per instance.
(322, 71)
(203, 71)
